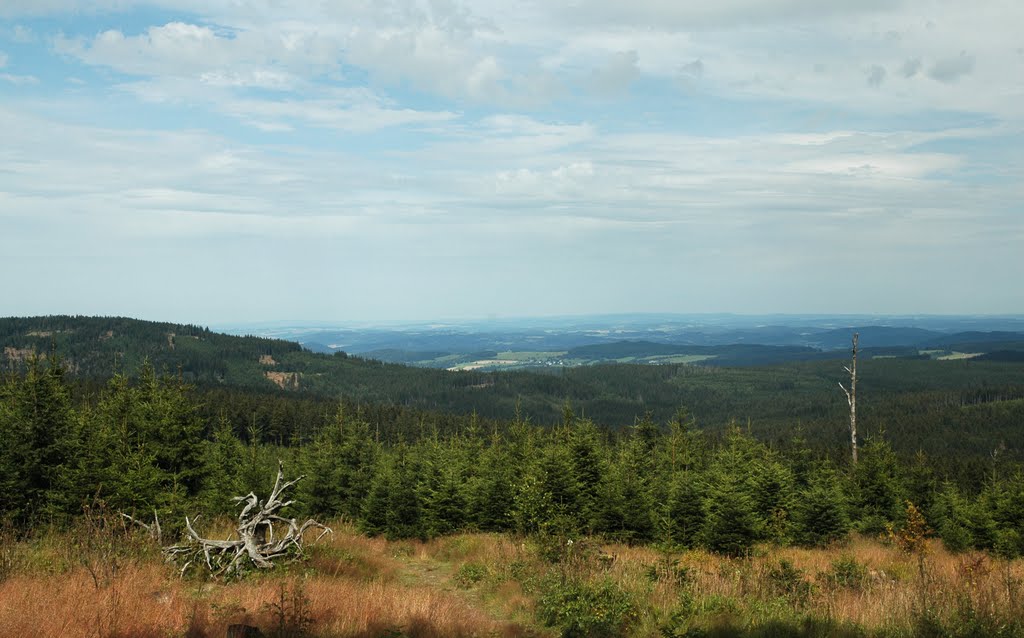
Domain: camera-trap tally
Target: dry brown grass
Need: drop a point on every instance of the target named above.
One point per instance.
(891, 594)
(350, 587)
(145, 601)
(357, 586)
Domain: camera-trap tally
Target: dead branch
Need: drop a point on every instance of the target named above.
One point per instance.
(256, 543)
(153, 529)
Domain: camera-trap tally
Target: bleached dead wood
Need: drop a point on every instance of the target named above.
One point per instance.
(153, 529)
(851, 398)
(257, 543)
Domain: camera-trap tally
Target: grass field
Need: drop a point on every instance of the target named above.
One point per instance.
(513, 360)
(103, 583)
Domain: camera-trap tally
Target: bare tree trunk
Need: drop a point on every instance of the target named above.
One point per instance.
(851, 398)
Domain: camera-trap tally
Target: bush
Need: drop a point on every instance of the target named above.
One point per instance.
(581, 609)
(1008, 544)
(470, 574)
(680, 621)
(786, 580)
(668, 570)
(290, 611)
(846, 573)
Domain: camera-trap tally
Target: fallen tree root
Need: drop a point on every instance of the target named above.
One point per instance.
(257, 543)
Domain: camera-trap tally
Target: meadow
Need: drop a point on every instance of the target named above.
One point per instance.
(103, 579)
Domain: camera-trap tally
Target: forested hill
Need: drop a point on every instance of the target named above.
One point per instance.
(944, 407)
(98, 347)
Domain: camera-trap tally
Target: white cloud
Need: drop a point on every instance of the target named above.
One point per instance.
(362, 116)
(950, 70)
(525, 56)
(615, 76)
(181, 50)
(20, 80)
(518, 144)
(876, 75)
(712, 15)
(911, 67)
(22, 34)
(345, 109)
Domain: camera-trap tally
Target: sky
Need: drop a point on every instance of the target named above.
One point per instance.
(215, 161)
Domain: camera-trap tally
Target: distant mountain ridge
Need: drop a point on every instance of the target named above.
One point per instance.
(613, 381)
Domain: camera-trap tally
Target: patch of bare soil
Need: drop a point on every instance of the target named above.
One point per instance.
(19, 355)
(284, 380)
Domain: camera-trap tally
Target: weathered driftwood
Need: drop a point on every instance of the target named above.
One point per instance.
(257, 544)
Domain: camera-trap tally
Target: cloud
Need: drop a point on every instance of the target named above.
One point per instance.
(443, 49)
(215, 57)
(617, 74)
(693, 69)
(361, 116)
(717, 15)
(20, 80)
(359, 110)
(950, 70)
(3, 59)
(440, 140)
(911, 67)
(22, 34)
(489, 54)
(876, 75)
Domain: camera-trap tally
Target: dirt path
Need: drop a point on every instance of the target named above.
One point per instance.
(441, 576)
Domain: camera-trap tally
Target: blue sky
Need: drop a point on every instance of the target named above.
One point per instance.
(365, 160)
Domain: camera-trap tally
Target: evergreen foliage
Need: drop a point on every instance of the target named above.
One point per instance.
(821, 514)
(153, 443)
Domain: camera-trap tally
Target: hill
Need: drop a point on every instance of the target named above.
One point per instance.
(945, 407)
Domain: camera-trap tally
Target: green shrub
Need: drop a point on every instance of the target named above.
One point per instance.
(290, 612)
(680, 621)
(470, 574)
(1008, 543)
(786, 580)
(586, 610)
(668, 570)
(846, 573)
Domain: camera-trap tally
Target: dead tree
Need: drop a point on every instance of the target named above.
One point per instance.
(851, 398)
(257, 544)
(152, 529)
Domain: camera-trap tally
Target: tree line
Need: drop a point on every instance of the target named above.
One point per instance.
(153, 444)
(956, 410)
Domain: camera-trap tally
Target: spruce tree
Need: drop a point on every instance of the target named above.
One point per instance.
(444, 508)
(686, 512)
(731, 527)
(223, 457)
(405, 507)
(558, 483)
(774, 493)
(40, 437)
(374, 513)
(132, 482)
(588, 468)
(494, 497)
(820, 515)
(879, 491)
(339, 464)
(956, 520)
(1007, 507)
